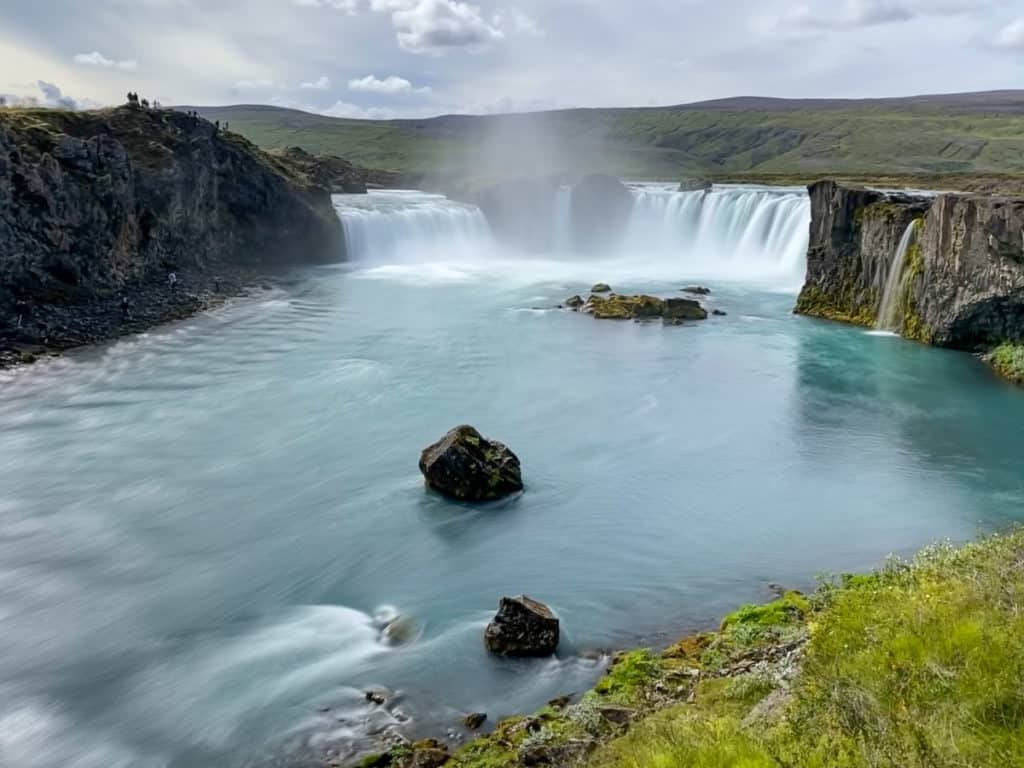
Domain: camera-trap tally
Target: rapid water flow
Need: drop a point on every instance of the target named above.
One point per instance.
(205, 529)
(889, 309)
(737, 232)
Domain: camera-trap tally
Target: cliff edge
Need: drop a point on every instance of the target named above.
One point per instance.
(98, 209)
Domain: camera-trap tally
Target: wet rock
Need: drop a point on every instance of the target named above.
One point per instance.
(398, 630)
(684, 309)
(695, 185)
(475, 720)
(467, 466)
(561, 702)
(428, 753)
(616, 307)
(574, 302)
(376, 697)
(522, 627)
(719, 313)
(696, 290)
(601, 288)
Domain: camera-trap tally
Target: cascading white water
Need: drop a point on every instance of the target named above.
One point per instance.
(401, 226)
(563, 219)
(888, 310)
(747, 232)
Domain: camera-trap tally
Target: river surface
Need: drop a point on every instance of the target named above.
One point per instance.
(199, 525)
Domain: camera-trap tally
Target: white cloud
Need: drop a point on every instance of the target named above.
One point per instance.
(433, 26)
(1011, 37)
(317, 85)
(350, 7)
(389, 84)
(247, 85)
(518, 22)
(97, 59)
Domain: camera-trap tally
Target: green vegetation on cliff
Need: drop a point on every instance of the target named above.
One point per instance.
(801, 139)
(919, 664)
(1008, 360)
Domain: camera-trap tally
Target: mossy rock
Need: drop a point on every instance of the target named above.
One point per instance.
(601, 288)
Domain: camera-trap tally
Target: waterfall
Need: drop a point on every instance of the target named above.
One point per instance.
(888, 310)
(563, 220)
(392, 226)
(727, 232)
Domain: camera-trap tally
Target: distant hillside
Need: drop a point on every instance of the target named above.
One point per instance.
(980, 133)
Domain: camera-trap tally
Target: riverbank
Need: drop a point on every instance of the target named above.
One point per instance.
(46, 329)
(916, 664)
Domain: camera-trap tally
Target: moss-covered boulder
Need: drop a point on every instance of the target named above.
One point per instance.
(684, 309)
(467, 466)
(696, 290)
(574, 302)
(616, 307)
(601, 288)
(522, 627)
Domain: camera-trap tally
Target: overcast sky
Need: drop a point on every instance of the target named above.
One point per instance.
(386, 58)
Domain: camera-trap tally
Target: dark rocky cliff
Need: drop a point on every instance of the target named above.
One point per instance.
(94, 205)
(962, 283)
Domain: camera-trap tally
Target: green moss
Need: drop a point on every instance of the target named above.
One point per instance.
(913, 327)
(790, 608)
(1008, 361)
(842, 307)
(920, 664)
(628, 673)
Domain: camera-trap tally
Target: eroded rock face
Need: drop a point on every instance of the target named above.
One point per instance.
(467, 466)
(962, 283)
(522, 627)
(92, 203)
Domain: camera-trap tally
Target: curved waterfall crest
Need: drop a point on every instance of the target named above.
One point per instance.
(407, 226)
(728, 231)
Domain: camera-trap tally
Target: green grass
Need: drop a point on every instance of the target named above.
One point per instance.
(1008, 360)
(920, 664)
(798, 144)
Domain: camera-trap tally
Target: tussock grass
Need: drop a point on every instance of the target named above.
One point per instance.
(918, 665)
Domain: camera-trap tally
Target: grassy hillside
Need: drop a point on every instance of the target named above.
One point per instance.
(969, 133)
(920, 665)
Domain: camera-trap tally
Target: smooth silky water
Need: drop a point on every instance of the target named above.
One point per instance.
(199, 524)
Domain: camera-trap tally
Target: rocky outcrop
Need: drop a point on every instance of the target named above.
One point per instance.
(467, 466)
(673, 311)
(522, 627)
(962, 283)
(329, 171)
(98, 204)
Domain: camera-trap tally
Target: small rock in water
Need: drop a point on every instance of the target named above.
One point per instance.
(522, 627)
(574, 302)
(376, 697)
(719, 312)
(467, 466)
(696, 290)
(475, 720)
(601, 288)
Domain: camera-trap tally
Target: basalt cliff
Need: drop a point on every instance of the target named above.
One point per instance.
(98, 209)
(962, 278)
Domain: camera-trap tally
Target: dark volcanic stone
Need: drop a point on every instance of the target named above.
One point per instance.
(475, 720)
(522, 627)
(684, 309)
(467, 466)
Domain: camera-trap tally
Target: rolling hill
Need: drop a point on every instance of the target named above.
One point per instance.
(973, 133)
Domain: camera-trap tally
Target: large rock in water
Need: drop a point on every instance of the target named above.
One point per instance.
(522, 627)
(467, 466)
